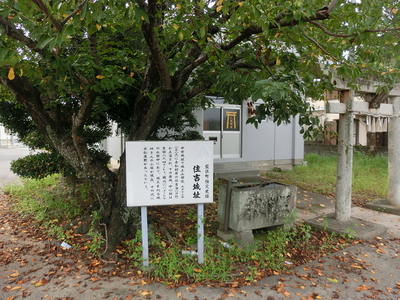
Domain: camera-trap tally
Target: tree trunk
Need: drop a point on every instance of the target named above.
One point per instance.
(121, 217)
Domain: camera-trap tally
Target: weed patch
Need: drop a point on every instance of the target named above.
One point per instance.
(319, 175)
(275, 251)
(46, 201)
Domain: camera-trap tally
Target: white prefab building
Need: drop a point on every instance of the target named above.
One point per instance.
(240, 148)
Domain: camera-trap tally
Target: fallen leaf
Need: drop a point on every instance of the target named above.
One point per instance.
(363, 288)
(146, 292)
(15, 288)
(15, 274)
(41, 282)
(332, 279)
(356, 266)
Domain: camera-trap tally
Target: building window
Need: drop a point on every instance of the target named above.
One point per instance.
(212, 119)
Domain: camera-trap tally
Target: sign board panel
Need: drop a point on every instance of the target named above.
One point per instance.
(169, 172)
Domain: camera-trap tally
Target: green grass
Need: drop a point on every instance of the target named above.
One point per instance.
(370, 175)
(46, 201)
(271, 253)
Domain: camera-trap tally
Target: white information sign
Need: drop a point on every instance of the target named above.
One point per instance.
(169, 172)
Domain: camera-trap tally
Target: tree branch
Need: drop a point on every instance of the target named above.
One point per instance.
(332, 5)
(245, 34)
(79, 118)
(181, 76)
(82, 79)
(18, 34)
(93, 51)
(152, 42)
(335, 58)
(74, 13)
(196, 90)
(44, 9)
(320, 26)
(319, 46)
(382, 30)
(29, 96)
(321, 14)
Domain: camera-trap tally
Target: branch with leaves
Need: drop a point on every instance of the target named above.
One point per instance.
(18, 34)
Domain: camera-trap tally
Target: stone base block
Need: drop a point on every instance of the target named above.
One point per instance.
(358, 228)
(225, 235)
(242, 238)
(383, 206)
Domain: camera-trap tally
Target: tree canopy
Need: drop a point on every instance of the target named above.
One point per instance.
(74, 66)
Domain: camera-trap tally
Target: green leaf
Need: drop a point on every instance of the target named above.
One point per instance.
(202, 32)
(152, 96)
(46, 42)
(180, 35)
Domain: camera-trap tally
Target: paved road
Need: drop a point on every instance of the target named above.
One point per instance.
(6, 156)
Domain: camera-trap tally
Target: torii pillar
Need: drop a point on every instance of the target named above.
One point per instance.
(394, 154)
(341, 221)
(392, 203)
(345, 159)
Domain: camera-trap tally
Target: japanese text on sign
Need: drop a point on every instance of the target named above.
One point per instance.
(172, 172)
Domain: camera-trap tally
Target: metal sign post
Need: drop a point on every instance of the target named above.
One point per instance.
(145, 236)
(200, 233)
(169, 173)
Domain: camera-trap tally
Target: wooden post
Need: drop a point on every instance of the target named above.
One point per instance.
(345, 159)
(394, 154)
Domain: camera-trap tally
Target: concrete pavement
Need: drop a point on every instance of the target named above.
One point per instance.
(6, 156)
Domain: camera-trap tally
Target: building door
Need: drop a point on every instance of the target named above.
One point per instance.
(221, 124)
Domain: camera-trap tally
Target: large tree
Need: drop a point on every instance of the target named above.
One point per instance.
(70, 63)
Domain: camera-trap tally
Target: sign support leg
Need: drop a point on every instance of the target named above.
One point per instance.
(200, 233)
(145, 236)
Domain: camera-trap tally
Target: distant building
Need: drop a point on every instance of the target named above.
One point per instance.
(6, 139)
(370, 131)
